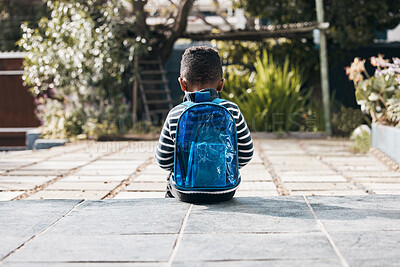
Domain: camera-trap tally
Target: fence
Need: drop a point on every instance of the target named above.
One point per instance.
(16, 103)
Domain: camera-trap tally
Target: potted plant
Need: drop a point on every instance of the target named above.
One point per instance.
(379, 96)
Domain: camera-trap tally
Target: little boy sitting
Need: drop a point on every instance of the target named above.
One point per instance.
(201, 70)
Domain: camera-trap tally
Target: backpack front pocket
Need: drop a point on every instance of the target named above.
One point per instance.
(207, 165)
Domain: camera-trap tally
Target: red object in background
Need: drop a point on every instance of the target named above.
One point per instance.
(16, 103)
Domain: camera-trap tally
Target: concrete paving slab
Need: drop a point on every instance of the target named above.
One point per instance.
(329, 193)
(320, 186)
(387, 192)
(263, 263)
(151, 178)
(253, 247)
(26, 179)
(381, 174)
(155, 170)
(305, 172)
(98, 248)
(256, 193)
(123, 217)
(147, 186)
(26, 218)
(376, 180)
(383, 186)
(245, 186)
(315, 168)
(362, 168)
(358, 213)
(29, 172)
(17, 186)
(87, 186)
(108, 172)
(9, 243)
(95, 178)
(55, 165)
(110, 165)
(256, 214)
(68, 194)
(313, 178)
(138, 195)
(4, 196)
(369, 248)
(81, 264)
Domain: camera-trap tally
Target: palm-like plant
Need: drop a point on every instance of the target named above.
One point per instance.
(275, 100)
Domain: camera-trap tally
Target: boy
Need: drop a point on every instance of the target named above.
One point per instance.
(201, 70)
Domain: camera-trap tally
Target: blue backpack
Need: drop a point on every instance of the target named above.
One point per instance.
(206, 151)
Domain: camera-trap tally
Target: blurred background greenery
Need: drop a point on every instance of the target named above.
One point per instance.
(80, 59)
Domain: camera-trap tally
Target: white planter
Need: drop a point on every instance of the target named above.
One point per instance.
(387, 140)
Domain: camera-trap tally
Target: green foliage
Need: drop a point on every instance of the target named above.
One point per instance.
(362, 142)
(12, 14)
(345, 120)
(393, 110)
(352, 23)
(378, 95)
(273, 100)
(76, 63)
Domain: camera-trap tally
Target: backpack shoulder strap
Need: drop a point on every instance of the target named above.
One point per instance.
(188, 104)
(218, 101)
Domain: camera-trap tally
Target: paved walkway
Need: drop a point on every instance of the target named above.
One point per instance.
(279, 216)
(250, 231)
(126, 170)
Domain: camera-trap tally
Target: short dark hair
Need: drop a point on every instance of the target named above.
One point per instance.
(201, 65)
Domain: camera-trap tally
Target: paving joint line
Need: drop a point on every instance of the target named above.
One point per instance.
(38, 188)
(128, 180)
(42, 232)
(387, 161)
(280, 187)
(333, 168)
(333, 245)
(36, 162)
(179, 237)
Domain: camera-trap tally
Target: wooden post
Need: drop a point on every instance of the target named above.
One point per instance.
(134, 93)
(323, 55)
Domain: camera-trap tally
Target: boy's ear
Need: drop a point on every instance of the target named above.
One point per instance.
(220, 85)
(183, 84)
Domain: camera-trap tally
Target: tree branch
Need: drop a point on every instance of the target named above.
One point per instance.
(216, 3)
(177, 29)
(141, 15)
(203, 18)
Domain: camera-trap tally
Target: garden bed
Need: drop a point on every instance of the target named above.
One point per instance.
(387, 140)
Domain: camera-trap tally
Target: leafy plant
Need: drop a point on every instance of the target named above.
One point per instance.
(362, 139)
(75, 67)
(378, 95)
(271, 98)
(345, 120)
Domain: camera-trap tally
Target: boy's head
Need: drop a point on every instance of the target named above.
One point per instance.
(201, 68)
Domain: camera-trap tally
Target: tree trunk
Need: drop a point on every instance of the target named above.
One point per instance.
(177, 30)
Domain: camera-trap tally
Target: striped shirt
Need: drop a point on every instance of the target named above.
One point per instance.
(166, 144)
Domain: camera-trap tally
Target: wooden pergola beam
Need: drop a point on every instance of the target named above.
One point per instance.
(295, 30)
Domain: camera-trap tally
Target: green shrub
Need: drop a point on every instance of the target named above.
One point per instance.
(272, 97)
(362, 140)
(345, 120)
(75, 67)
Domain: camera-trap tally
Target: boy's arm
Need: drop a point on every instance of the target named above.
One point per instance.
(165, 149)
(245, 143)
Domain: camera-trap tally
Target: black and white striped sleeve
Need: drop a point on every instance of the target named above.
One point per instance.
(245, 143)
(165, 148)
